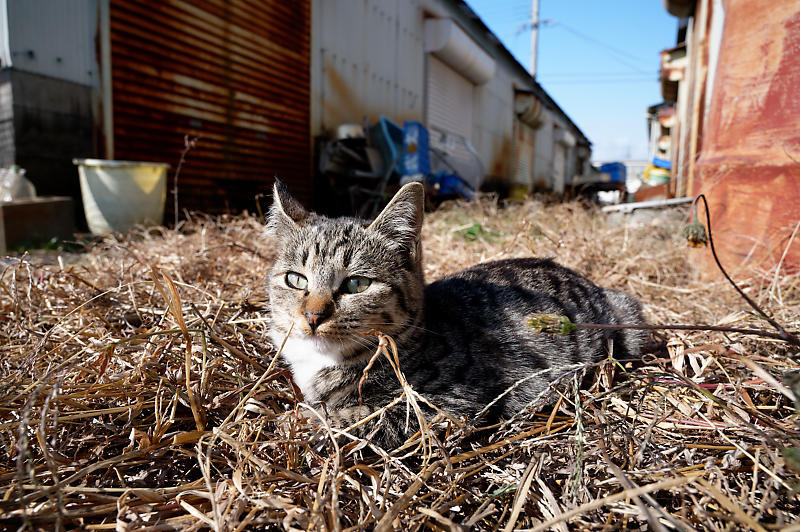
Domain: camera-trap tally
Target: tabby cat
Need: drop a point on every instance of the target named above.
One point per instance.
(462, 341)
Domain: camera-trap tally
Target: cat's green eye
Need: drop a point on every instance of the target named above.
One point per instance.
(295, 280)
(355, 284)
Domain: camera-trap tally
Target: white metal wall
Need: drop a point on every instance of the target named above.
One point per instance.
(55, 39)
(493, 132)
(5, 45)
(543, 163)
(524, 146)
(559, 167)
(368, 59)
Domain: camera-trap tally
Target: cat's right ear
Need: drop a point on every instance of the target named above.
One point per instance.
(401, 219)
(286, 212)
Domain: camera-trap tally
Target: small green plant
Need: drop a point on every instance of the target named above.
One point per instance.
(476, 232)
(695, 232)
(551, 323)
(52, 244)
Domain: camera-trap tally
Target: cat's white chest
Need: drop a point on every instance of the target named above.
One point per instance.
(307, 357)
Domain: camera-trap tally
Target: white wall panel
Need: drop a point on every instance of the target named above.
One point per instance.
(54, 38)
(524, 145)
(368, 60)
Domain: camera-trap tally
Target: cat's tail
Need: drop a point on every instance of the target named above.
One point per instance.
(627, 311)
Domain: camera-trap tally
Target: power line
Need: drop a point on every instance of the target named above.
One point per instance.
(597, 81)
(601, 43)
(600, 74)
(615, 53)
(621, 56)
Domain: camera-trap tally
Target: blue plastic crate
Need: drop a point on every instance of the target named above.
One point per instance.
(388, 138)
(617, 171)
(416, 149)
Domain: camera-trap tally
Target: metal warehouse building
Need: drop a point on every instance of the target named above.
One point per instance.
(258, 81)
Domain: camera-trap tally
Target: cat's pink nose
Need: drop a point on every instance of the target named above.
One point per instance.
(315, 318)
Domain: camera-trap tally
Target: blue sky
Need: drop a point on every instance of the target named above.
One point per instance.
(599, 60)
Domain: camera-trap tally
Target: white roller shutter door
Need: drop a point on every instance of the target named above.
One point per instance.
(449, 106)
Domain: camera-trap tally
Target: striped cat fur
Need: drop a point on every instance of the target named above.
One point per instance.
(462, 341)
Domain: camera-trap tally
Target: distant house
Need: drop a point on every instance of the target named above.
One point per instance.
(731, 93)
(258, 81)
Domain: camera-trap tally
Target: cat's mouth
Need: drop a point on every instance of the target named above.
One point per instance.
(321, 332)
(329, 336)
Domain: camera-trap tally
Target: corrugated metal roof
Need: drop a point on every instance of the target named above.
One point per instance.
(235, 73)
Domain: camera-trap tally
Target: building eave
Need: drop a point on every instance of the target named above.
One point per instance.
(533, 86)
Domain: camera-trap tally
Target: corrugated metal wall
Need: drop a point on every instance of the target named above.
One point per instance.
(234, 72)
(369, 61)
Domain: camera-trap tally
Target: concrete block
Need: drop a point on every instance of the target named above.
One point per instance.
(32, 222)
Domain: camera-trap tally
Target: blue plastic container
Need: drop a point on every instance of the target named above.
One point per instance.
(416, 149)
(451, 184)
(662, 163)
(390, 143)
(617, 171)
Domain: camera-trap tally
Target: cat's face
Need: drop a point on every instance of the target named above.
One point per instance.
(334, 280)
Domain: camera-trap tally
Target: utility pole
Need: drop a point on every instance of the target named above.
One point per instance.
(534, 35)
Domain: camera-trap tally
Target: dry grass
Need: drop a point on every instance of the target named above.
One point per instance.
(139, 391)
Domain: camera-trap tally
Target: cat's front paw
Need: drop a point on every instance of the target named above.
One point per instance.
(347, 416)
(324, 417)
(381, 430)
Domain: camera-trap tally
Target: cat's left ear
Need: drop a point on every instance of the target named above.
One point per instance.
(401, 219)
(285, 211)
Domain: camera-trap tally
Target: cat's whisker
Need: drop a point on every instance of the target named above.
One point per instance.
(360, 340)
(366, 342)
(402, 325)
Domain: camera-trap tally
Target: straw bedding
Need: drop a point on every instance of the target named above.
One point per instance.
(139, 391)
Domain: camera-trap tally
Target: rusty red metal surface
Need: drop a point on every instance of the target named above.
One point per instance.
(235, 73)
(749, 166)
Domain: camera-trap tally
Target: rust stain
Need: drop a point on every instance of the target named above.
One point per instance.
(750, 217)
(339, 101)
(350, 95)
(748, 164)
(782, 103)
(500, 165)
(755, 95)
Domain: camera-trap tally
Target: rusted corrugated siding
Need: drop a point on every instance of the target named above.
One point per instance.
(748, 163)
(234, 72)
